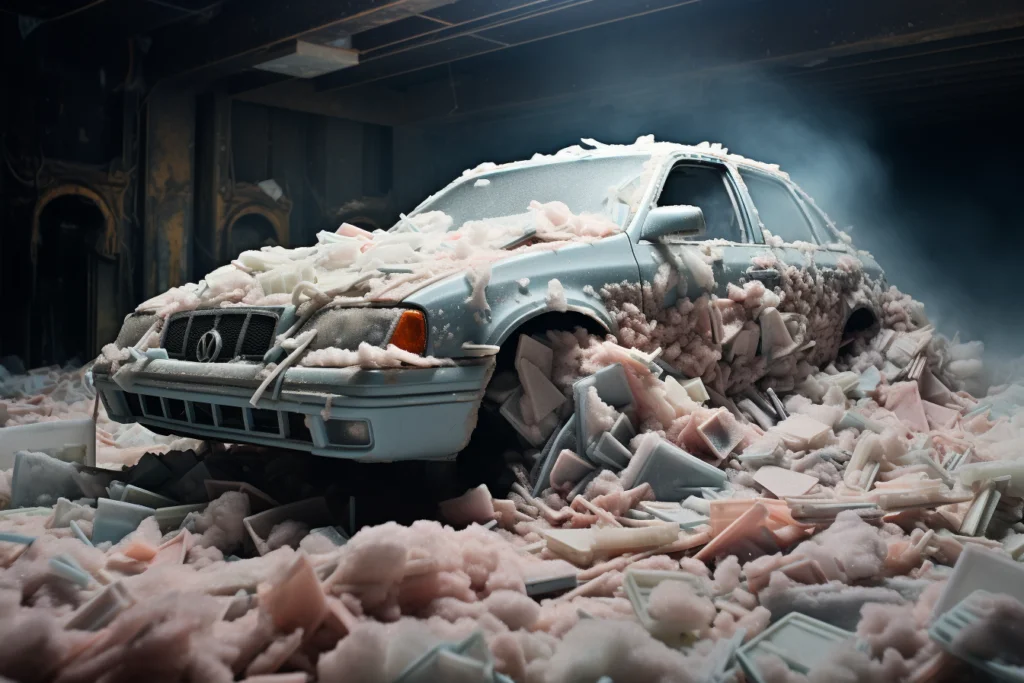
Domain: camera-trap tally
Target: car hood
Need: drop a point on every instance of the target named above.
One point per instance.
(356, 267)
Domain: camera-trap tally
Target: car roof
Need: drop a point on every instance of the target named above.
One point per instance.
(644, 146)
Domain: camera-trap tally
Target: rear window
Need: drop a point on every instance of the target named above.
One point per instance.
(778, 208)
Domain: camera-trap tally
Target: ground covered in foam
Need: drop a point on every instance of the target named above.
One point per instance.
(846, 508)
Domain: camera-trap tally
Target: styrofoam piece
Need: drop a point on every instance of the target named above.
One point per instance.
(983, 507)
(623, 430)
(465, 661)
(867, 383)
(695, 388)
(980, 569)
(743, 527)
(258, 501)
(569, 469)
(901, 500)
(20, 539)
(981, 471)
(64, 511)
(536, 434)
(575, 545)
(536, 352)
(102, 609)
(542, 396)
(1014, 545)
(67, 568)
(753, 412)
(932, 389)
(546, 587)
(612, 388)
(945, 629)
(39, 479)
(638, 585)
(560, 439)
(582, 485)
(313, 512)
(46, 437)
(780, 410)
(762, 452)
(140, 496)
(783, 482)
(608, 451)
(798, 640)
(800, 432)
(904, 400)
(335, 534)
(685, 517)
(697, 504)
(722, 656)
(115, 519)
(170, 518)
(580, 546)
(79, 534)
(744, 344)
(721, 433)
(669, 469)
(115, 489)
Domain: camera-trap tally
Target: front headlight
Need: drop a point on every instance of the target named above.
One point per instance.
(346, 328)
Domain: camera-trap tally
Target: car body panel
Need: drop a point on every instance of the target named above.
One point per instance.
(429, 413)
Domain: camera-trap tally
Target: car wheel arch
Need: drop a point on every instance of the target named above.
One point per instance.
(544, 320)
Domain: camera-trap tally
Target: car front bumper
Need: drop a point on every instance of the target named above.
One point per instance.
(352, 413)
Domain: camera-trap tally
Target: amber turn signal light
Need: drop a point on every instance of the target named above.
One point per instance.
(411, 332)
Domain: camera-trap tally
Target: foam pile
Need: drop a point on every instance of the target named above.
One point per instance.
(690, 551)
(52, 394)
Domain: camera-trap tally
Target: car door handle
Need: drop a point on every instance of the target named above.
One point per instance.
(769, 277)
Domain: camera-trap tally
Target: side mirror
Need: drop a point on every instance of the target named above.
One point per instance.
(686, 221)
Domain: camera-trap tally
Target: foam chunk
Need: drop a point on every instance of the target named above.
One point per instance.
(783, 482)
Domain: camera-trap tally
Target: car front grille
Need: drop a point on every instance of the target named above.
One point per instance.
(242, 420)
(245, 333)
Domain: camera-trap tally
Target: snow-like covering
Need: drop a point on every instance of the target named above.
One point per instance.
(384, 266)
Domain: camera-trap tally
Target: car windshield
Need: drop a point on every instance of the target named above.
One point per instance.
(603, 185)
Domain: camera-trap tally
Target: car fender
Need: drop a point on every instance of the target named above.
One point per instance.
(517, 291)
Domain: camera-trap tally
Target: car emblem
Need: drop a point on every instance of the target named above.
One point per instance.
(208, 347)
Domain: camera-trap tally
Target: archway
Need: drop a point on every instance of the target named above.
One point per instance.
(72, 282)
(250, 231)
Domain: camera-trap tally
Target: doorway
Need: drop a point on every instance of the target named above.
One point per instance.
(74, 297)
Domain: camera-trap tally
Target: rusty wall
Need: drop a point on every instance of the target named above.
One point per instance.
(169, 207)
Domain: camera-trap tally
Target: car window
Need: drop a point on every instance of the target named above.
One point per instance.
(584, 185)
(705, 187)
(778, 209)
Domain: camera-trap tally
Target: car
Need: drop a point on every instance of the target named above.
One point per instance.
(381, 346)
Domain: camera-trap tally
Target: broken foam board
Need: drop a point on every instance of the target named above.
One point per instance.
(978, 568)
(798, 640)
(46, 437)
(783, 482)
(670, 470)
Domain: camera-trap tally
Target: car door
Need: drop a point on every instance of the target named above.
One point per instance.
(806, 243)
(728, 246)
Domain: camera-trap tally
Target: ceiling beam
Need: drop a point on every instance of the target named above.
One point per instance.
(706, 40)
(244, 32)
